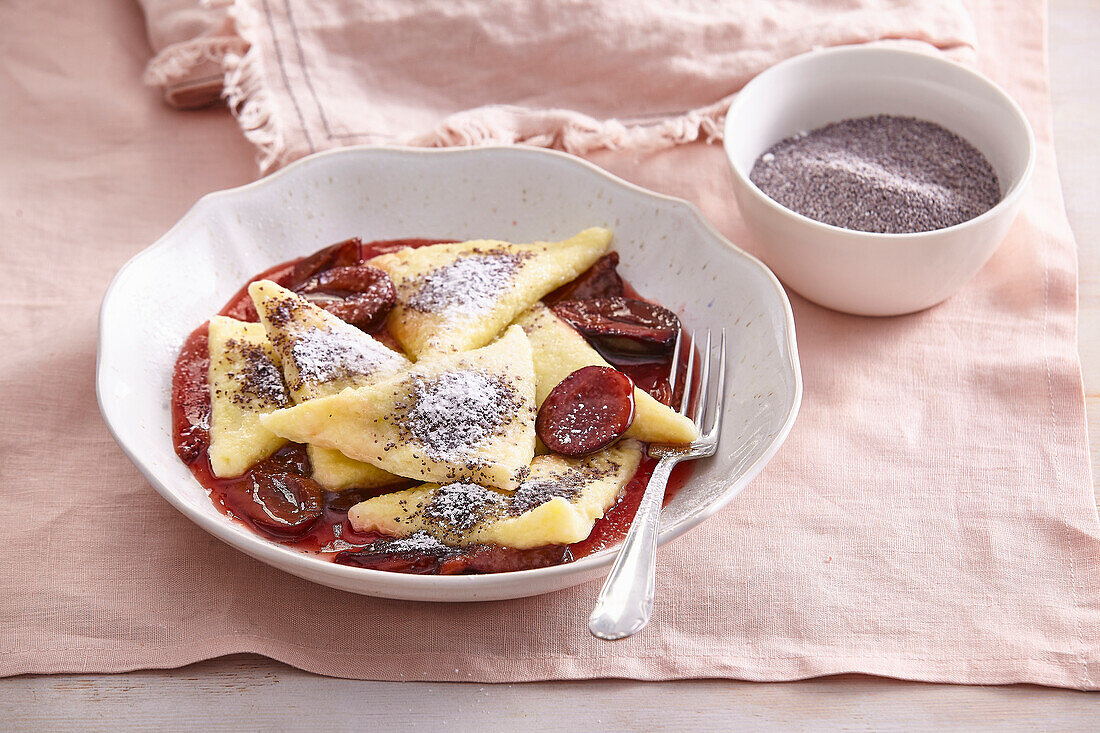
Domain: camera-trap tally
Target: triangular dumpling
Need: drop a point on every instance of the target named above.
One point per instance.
(559, 350)
(456, 297)
(460, 417)
(557, 505)
(245, 382)
(322, 355)
(336, 472)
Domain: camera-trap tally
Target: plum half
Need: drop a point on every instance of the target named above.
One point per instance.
(586, 412)
(622, 326)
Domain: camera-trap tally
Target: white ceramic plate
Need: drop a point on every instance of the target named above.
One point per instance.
(519, 194)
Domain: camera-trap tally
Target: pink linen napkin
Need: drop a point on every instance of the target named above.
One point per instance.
(192, 39)
(620, 74)
(930, 517)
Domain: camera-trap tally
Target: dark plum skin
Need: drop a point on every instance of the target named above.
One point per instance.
(599, 281)
(454, 561)
(586, 412)
(275, 495)
(359, 294)
(341, 254)
(378, 557)
(622, 326)
(283, 504)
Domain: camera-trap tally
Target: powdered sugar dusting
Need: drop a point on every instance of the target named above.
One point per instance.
(469, 286)
(415, 545)
(455, 411)
(459, 507)
(324, 356)
(339, 545)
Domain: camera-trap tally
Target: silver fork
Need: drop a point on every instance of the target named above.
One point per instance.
(626, 599)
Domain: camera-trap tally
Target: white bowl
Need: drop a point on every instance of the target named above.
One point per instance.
(860, 272)
(668, 251)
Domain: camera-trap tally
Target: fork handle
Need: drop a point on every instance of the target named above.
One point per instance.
(625, 602)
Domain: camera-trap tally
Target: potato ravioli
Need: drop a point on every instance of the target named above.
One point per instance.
(445, 394)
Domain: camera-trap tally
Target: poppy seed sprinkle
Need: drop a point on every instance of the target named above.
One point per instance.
(881, 174)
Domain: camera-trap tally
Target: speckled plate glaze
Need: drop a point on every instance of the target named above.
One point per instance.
(669, 252)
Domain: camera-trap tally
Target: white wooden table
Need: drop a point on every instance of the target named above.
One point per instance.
(247, 692)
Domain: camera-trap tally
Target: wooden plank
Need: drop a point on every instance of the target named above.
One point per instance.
(251, 693)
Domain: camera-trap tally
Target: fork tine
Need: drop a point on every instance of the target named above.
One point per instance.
(720, 387)
(704, 386)
(685, 400)
(675, 361)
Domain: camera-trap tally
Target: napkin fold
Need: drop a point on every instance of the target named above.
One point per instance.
(192, 39)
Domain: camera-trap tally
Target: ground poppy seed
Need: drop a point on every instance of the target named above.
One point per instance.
(881, 174)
